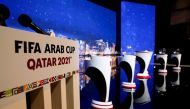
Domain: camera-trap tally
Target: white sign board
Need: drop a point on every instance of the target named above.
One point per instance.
(30, 60)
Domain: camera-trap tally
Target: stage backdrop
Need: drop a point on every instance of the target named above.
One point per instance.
(76, 19)
(137, 33)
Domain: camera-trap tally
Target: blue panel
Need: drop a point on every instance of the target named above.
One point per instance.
(137, 27)
(77, 19)
(138, 33)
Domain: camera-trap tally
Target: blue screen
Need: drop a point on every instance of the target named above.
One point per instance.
(137, 34)
(76, 19)
(137, 27)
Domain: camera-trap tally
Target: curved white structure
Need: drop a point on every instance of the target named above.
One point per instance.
(178, 57)
(162, 88)
(176, 69)
(129, 89)
(103, 64)
(130, 60)
(129, 100)
(164, 57)
(144, 58)
(177, 81)
(132, 101)
(101, 105)
(145, 96)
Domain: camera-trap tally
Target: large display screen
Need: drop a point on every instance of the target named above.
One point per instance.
(137, 34)
(137, 27)
(76, 19)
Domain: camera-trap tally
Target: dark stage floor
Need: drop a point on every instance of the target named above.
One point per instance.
(175, 94)
(149, 94)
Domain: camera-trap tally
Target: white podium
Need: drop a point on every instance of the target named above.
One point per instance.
(164, 58)
(127, 62)
(161, 87)
(178, 58)
(143, 93)
(143, 57)
(99, 70)
(37, 71)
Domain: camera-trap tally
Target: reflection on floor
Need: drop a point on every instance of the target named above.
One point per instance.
(177, 93)
(146, 96)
